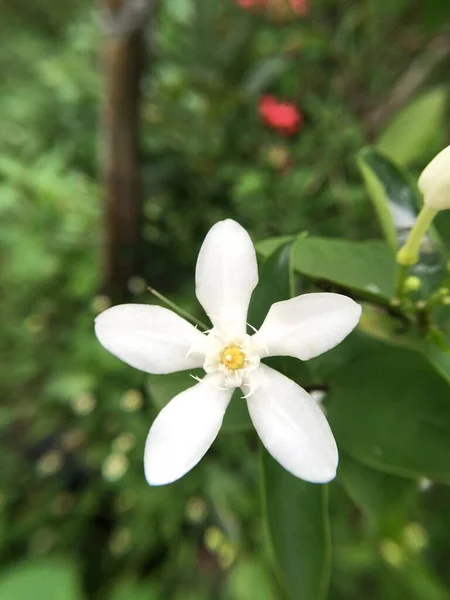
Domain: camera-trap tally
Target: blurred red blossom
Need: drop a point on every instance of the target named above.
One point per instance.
(285, 117)
(278, 9)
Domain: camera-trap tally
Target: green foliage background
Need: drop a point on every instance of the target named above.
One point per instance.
(77, 519)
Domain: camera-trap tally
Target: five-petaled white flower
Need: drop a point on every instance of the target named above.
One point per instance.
(289, 422)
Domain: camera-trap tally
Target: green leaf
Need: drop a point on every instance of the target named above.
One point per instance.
(249, 580)
(435, 14)
(162, 388)
(384, 498)
(390, 410)
(397, 204)
(297, 519)
(415, 131)
(52, 580)
(275, 284)
(367, 268)
(296, 512)
(132, 590)
(267, 247)
(436, 349)
(264, 73)
(394, 200)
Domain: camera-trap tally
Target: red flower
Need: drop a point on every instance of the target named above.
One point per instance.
(300, 7)
(282, 116)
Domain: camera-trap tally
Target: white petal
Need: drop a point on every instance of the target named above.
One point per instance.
(434, 182)
(149, 338)
(307, 325)
(291, 426)
(226, 275)
(184, 430)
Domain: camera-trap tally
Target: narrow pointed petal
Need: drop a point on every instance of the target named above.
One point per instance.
(149, 338)
(184, 430)
(291, 426)
(307, 325)
(226, 275)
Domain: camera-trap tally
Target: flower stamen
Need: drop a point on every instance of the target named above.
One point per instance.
(233, 358)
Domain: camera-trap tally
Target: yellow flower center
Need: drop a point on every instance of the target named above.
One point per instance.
(233, 358)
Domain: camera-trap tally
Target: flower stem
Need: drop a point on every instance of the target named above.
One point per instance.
(408, 255)
(402, 273)
(178, 309)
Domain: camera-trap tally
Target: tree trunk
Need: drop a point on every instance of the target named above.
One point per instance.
(124, 22)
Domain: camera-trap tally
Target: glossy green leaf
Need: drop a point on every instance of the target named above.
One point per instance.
(397, 204)
(392, 195)
(50, 579)
(416, 130)
(384, 498)
(436, 349)
(390, 410)
(296, 512)
(162, 388)
(267, 247)
(275, 283)
(297, 519)
(367, 268)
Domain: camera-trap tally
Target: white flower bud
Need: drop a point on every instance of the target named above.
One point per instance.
(434, 182)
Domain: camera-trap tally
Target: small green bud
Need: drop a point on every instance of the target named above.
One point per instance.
(412, 284)
(392, 553)
(415, 537)
(406, 258)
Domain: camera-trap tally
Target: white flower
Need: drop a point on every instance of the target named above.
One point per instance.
(434, 182)
(289, 422)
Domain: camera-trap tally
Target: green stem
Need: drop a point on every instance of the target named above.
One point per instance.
(178, 309)
(402, 273)
(408, 255)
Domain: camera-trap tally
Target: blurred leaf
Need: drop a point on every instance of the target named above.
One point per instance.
(52, 580)
(163, 388)
(414, 132)
(264, 73)
(296, 511)
(435, 14)
(132, 590)
(389, 409)
(249, 580)
(383, 497)
(65, 386)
